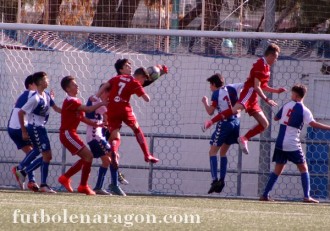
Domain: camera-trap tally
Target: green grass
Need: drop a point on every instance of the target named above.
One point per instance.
(214, 213)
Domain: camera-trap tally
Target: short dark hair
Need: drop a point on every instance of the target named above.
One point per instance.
(217, 79)
(38, 76)
(28, 81)
(300, 90)
(272, 49)
(120, 64)
(66, 81)
(142, 71)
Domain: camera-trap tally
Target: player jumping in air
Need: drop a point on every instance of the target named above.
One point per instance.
(15, 132)
(72, 114)
(255, 85)
(121, 88)
(226, 132)
(37, 110)
(292, 117)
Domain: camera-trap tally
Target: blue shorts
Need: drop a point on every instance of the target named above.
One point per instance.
(226, 132)
(99, 148)
(16, 136)
(282, 157)
(39, 138)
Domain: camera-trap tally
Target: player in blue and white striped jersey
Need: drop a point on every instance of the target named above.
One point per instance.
(226, 132)
(37, 111)
(15, 132)
(292, 117)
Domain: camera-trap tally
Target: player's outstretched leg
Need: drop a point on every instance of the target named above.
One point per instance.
(148, 157)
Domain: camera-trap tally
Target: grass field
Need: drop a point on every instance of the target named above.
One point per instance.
(155, 213)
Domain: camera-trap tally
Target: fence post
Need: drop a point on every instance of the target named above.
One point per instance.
(265, 147)
(239, 173)
(63, 163)
(151, 167)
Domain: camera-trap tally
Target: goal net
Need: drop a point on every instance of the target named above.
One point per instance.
(172, 120)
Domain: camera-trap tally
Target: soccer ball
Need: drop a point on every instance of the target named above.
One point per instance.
(154, 72)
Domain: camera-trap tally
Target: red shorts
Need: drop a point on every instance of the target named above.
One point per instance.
(249, 99)
(71, 141)
(116, 117)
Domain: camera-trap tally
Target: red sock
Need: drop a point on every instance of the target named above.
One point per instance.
(115, 143)
(142, 141)
(74, 169)
(222, 115)
(254, 131)
(86, 169)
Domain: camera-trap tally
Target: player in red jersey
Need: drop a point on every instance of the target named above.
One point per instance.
(121, 88)
(255, 85)
(72, 113)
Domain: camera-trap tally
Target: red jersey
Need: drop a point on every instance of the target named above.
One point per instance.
(261, 71)
(121, 89)
(70, 116)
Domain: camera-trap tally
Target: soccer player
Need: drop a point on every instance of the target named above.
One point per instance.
(37, 110)
(100, 148)
(292, 116)
(15, 133)
(72, 114)
(121, 88)
(254, 86)
(226, 132)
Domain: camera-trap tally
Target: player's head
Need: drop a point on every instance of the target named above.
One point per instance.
(216, 81)
(123, 67)
(271, 53)
(69, 85)
(105, 94)
(141, 74)
(298, 92)
(29, 83)
(40, 79)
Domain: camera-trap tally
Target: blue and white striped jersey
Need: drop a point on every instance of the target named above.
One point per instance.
(37, 108)
(226, 97)
(13, 121)
(292, 117)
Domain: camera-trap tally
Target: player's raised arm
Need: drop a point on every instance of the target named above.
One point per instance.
(92, 108)
(209, 108)
(90, 122)
(274, 90)
(57, 109)
(319, 125)
(146, 97)
(101, 90)
(154, 73)
(260, 92)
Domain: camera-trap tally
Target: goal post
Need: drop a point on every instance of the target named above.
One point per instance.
(173, 118)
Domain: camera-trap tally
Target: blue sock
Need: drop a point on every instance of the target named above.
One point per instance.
(114, 176)
(272, 180)
(44, 172)
(100, 178)
(28, 159)
(305, 183)
(214, 167)
(31, 177)
(33, 166)
(223, 167)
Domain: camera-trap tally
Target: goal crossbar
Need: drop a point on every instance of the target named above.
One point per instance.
(164, 32)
